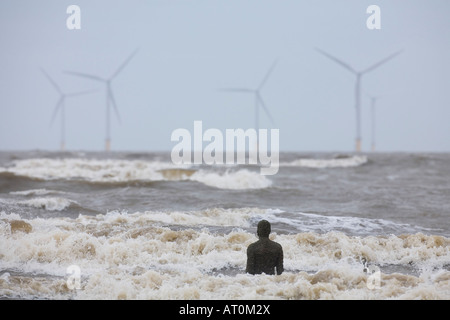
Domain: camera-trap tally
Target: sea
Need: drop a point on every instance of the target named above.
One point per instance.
(132, 225)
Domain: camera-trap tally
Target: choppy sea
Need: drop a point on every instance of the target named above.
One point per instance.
(129, 225)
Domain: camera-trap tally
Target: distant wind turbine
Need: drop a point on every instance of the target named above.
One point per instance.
(373, 101)
(60, 106)
(259, 102)
(109, 95)
(359, 75)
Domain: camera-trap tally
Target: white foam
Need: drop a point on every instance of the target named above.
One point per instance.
(346, 162)
(310, 222)
(89, 169)
(9, 216)
(241, 179)
(237, 217)
(50, 204)
(125, 256)
(46, 203)
(5, 276)
(109, 171)
(36, 192)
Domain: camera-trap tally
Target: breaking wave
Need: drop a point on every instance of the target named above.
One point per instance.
(241, 179)
(88, 169)
(46, 203)
(338, 162)
(36, 192)
(130, 171)
(50, 204)
(126, 256)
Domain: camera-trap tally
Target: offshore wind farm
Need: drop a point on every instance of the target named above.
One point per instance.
(259, 102)
(61, 107)
(110, 100)
(108, 214)
(359, 75)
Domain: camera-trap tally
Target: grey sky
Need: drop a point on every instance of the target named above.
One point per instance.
(191, 48)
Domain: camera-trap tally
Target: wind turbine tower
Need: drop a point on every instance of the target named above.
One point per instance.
(110, 100)
(60, 106)
(259, 102)
(373, 102)
(359, 75)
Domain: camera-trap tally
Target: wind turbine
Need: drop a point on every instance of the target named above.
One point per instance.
(109, 95)
(359, 75)
(259, 102)
(373, 101)
(60, 105)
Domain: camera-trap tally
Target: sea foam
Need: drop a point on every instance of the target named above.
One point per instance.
(123, 171)
(341, 162)
(123, 256)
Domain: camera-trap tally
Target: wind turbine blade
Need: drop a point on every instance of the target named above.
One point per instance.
(268, 74)
(123, 64)
(55, 111)
(85, 75)
(51, 81)
(80, 93)
(342, 63)
(111, 96)
(376, 65)
(237, 90)
(265, 108)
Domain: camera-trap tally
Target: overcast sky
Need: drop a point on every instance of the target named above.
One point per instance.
(188, 49)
